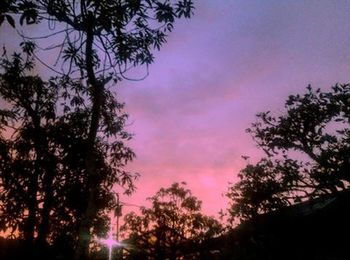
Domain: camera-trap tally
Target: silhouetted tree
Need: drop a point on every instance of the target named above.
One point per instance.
(102, 40)
(173, 222)
(308, 154)
(42, 175)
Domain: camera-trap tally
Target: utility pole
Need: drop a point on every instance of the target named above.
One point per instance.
(118, 213)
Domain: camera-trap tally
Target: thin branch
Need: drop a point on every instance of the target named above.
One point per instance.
(41, 37)
(48, 66)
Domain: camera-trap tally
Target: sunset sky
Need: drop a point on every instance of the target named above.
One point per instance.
(232, 60)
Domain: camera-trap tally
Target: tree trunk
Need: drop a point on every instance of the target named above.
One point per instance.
(33, 186)
(32, 209)
(90, 160)
(44, 228)
(41, 149)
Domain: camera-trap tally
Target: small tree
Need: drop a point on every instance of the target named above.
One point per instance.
(316, 128)
(163, 230)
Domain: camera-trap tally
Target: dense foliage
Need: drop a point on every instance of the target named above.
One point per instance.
(95, 42)
(307, 154)
(172, 224)
(42, 175)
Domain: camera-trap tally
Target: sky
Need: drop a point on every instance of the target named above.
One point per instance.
(220, 68)
(232, 60)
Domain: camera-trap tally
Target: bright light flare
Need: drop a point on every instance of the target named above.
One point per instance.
(110, 243)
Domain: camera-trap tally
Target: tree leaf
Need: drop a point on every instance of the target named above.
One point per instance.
(10, 20)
